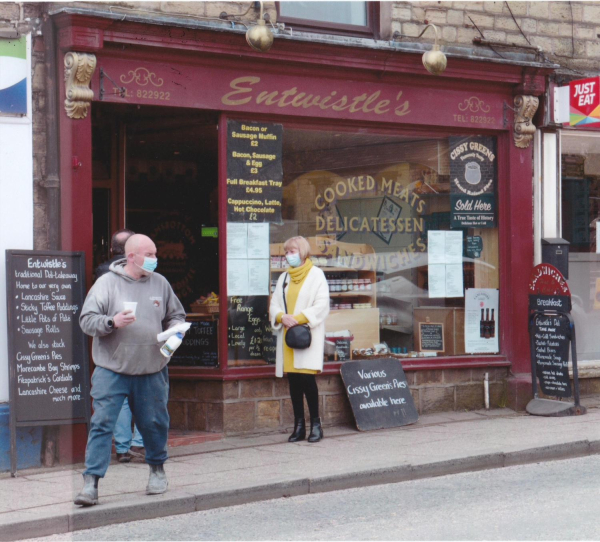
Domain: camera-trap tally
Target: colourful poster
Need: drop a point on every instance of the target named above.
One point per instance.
(13, 76)
(584, 102)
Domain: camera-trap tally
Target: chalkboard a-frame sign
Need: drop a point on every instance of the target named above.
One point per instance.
(551, 330)
(379, 394)
(48, 359)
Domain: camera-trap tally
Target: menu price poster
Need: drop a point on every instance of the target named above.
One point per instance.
(481, 320)
(48, 352)
(248, 261)
(254, 171)
(473, 175)
(445, 272)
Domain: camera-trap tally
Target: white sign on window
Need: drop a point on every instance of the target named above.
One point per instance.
(445, 270)
(481, 321)
(248, 261)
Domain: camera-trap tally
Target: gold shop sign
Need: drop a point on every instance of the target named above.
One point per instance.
(247, 91)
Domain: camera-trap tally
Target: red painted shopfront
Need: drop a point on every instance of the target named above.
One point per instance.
(353, 93)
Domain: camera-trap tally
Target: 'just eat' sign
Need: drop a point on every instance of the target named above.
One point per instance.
(584, 102)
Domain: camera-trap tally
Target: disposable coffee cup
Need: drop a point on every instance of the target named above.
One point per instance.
(130, 306)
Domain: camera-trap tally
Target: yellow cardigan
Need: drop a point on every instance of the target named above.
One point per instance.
(291, 298)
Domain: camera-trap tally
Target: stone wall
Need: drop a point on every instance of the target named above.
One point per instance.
(38, 88)
(243, 11)
(262, 405)
(567, 32)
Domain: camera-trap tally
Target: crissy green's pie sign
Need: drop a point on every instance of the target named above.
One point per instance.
(474, 245)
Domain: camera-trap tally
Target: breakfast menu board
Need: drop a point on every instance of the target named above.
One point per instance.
(254, 171)
(48, 352)
(551, 334)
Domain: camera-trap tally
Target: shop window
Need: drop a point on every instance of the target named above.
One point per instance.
(405, 249)
(350, 18)
(580, 174)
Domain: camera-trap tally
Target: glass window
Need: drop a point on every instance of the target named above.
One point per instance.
(354, 13)
(338, 18)
(580, 173)
(382, 218)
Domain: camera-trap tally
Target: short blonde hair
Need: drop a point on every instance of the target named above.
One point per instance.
(300, 243)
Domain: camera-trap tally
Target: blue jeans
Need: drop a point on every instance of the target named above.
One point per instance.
(124, 437)
(148, 396)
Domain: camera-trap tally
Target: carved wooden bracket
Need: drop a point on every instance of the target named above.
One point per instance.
(79, 69)
(525, 108)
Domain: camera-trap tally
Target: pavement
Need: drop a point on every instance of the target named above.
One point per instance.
(239, 470)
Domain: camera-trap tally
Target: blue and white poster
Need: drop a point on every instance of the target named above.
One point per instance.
(13, 76)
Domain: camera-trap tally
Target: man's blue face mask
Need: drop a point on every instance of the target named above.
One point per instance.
(149, 264)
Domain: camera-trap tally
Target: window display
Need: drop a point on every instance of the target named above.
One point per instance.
(401, 226)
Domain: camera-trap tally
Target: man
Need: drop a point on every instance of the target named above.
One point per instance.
(128, 443)
(128, 361)
(117, 250)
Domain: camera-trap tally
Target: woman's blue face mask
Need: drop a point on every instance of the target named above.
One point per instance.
(293, 259)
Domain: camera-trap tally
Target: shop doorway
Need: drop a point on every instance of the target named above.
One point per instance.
(155, 171)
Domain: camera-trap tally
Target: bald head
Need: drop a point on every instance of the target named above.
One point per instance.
(139, 243)
(137, 248)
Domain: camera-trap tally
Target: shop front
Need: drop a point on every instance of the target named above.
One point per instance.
(414, 191)
(577, 184)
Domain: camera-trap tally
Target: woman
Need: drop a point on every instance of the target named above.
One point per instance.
(307, 299)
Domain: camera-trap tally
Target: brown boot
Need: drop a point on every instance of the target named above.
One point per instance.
(124, 458)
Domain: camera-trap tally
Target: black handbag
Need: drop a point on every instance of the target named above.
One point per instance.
(297, 337)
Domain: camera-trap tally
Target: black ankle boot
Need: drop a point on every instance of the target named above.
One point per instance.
(88, 496)
(316, 431)
(299, 430)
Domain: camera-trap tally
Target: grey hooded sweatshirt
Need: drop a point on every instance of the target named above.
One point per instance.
(132, 350)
